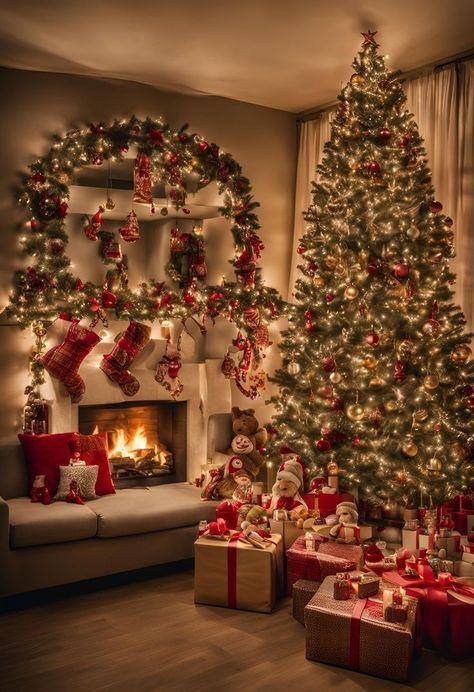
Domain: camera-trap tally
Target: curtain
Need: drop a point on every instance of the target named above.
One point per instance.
(443, 105)
(312, 137)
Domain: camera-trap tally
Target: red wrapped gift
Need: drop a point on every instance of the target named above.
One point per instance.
(447, 613)
(328, 559)
(325, 502)
(460, 520)
(229, 511)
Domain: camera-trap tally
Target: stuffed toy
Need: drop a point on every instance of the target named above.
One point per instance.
(288, 454)
(286, 491)
(74, 494)
(246, 425)
(346, 530)
(39, 492)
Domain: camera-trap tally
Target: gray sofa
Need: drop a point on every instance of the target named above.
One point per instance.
(43, 546)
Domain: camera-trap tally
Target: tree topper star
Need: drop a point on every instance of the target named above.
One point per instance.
(369, 36)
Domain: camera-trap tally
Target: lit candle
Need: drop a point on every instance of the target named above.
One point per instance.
(387, 599)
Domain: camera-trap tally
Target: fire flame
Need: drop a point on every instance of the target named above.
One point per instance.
(123, 445)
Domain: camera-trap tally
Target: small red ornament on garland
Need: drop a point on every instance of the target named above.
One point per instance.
(372, 338)
(109, 299)
(436, 207)
(404, 141)
(130, 231)
(373, 168)
(92, 226)
(385, 134)
(301, 249)
(399, 374)
(448, 222)
(323, 445)
(94, 304)
(330, 297)
(308, 325)
(56, 245)
(400, 270)
(328, 364)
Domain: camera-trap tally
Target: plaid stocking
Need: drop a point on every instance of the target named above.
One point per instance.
(126, 349)
(63, 361)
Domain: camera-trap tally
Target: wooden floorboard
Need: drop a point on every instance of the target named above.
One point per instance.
(148, 635)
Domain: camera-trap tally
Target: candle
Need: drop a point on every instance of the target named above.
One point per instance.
(387, 597)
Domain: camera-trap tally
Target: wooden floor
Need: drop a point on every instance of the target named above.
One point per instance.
(148, 635)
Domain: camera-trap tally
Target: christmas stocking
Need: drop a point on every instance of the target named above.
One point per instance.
(63, 361)
(126, 349)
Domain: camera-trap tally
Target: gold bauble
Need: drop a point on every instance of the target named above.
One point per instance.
(461, 354)
(370, 362)
(431, 381)
(331, 262)
(409, 447)
(110, 204)
(435, 465)
(391, 405)
(318, 280)
(333, 468)
(340, 270)
(355, 167)
(335, 377)
(293, 368)
(377, 383)
(355, 412)
(357, 80)
(420, 415)
(351, 293)
(457, 451)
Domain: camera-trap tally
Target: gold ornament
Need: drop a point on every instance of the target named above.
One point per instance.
(333, 468)
(431, 381)
(370, 362)
(409, 447)
(351, 293)
(331, 262)
(377, 383)
(318, 280)
(110, 204)
(461, 354)
(457, 452)
(293, 368)
(355, 412)
(335, 377)
(357, 80)
(355, 167)
(435, 465)
(391, 405)
(420, 415)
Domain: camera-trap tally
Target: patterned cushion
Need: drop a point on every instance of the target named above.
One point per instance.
(86, 477)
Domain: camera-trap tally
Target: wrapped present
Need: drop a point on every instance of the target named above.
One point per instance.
(368, 585)
(413, 538)
(236, 574)
(229, 511)
(326, 503)
(396, 612)
(342, 586)
(353, 634)
(467, 557)
(470, 523)
(463, 519)
(463, 568)
(452, 543)
(287, 529)
(329, 558)
(303, 592)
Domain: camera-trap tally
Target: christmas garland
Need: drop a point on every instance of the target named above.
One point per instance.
(48, 287)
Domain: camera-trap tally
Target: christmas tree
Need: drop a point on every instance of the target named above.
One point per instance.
(377, 375)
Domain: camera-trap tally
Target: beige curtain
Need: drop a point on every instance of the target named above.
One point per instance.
(312, 137)
(443, 105)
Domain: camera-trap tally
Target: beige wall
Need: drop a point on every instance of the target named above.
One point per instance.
(36, 105)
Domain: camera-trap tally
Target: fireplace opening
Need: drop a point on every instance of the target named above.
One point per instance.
(146, 440)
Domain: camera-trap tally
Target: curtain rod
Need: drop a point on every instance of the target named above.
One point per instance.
(314, 113)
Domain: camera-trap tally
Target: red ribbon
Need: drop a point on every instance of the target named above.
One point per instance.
(354, 637)
(232, 571)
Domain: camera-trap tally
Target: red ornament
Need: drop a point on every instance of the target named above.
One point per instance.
(436, 207)
(404, 141)
(183, 137)
(468, 390)
(203, 146)
(55, 245)
(385, 134)
(356, 441)
(155, 136)
(369, 37)
(301, 249)
(330, 297)
(323, 445)
(373, 167)
(400, 270)
(372, 338)
(399, 374)
(174, 368)
(448, 222)
(470, 402)
(33, 224)
(109, 299)
(373, 267)
(189, 298)
(98, 160)
(325, 391)
(171, 158)
(312, 266)
(166, 299)
(94, 304)
(39, 178)
(216, 296)
(328, 364)
(185, 210)
(308, 325)
(79, 285)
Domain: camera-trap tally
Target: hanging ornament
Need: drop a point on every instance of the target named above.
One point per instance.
(130, 231)
(372, 338)
(309, 325)
(293, 368)
(432, 327)
(357, 80)
(404, 141)
(385, 134)
(431, 381)
(51, 207)
(400, 270)
(448, 222)
(328, 364)
(377, 383)
(252, 316)
(335, 377)
(164, 211)
(405, 347)
(262, 337)
(92, 225)
(373, 168)
(435, 465)
(109, 204)
(461, 354)
(413, 232)
(301, 249)
(318, 281)
(331, 262)
(323, 445)
(351, 293)
(330, 297)
(142, 180)
(370, 362)
(167, 372)
(228, 366)
(355, 412)
(55, 245)
(109, 299)
(409, 447)
(420, 415)
(399, 374)
(436, 207)
(113, 251)
(457, 452)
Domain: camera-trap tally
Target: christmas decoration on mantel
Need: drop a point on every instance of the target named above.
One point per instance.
(180, 160)
(377, 370)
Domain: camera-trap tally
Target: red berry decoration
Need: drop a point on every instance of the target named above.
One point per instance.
(166, 299)
(301, 249)
(400, 270)
(372, 267)
(330, 297)
(328, 364)
(39, 178)
(372, 338)
(155, 136)
(33, 224)
(79, 285)
(171, 158)
(189, 298)
(94, 304)
(323, 445)
(55, 245)
(404, 141)
(216, 296)
(448, 222)
(356, 441)
(308, 325)
(109, 299)
(436, 207)
(203, 146)
(373, 167)
(385, 134)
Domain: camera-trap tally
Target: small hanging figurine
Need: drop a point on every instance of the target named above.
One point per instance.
(74, 494)
(130, 231)
(167, 372)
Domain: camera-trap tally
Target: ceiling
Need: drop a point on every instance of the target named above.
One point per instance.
(291, 55)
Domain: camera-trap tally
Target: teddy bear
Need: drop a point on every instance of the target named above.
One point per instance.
(346, 529)
(39, 491)
(244, 423)
(286, 490)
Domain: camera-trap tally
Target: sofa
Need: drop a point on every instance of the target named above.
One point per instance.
(48, 545)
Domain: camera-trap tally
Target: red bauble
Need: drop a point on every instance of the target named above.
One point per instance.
(356, 441)
(385, 134)
(372, 267)
(448, 222)
(183, 137)
(301, 249)
(203, 146)
(166, 299)
(33, 224)
(189, 298)
(79, 285)
(155, 136)
(436, 207)
(323, 445)
(312, 266)
(468, 390)
(185, 210)
(399, 374)
(171, 158)
(325, 390)
(404, 141)
(216, 296)
(94, 304)
(173, 369)
(400, 270)
(330, 297)
(372, 338)
(109, 299)
(55, 245)
(39, 178)
(317, 482)
(373, 167)
(470, 402)
(328, 364)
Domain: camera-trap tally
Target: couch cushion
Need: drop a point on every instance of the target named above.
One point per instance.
(32, 523)
(142, 510)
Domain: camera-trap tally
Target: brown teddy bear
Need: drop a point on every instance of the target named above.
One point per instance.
(245, 423)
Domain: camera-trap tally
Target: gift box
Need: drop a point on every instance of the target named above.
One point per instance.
(470, 522)
(329, 558)
(236, 574)
(326, 502)
(463, 519)
(463, 569)
(368, 585)
(452, 543)
(287, 529)
(414, 538)
(353, 634)
(467, 557)
(303, 592)
(363, 533)
(229, 511)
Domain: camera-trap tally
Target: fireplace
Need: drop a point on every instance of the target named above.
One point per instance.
(146, 439)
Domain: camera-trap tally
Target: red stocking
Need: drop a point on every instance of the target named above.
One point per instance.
(63, 361)
(116, 363)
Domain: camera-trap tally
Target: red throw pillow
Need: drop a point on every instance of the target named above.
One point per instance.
(93, 449)
(44, 455)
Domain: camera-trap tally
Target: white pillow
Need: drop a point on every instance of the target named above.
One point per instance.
(86, 477)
